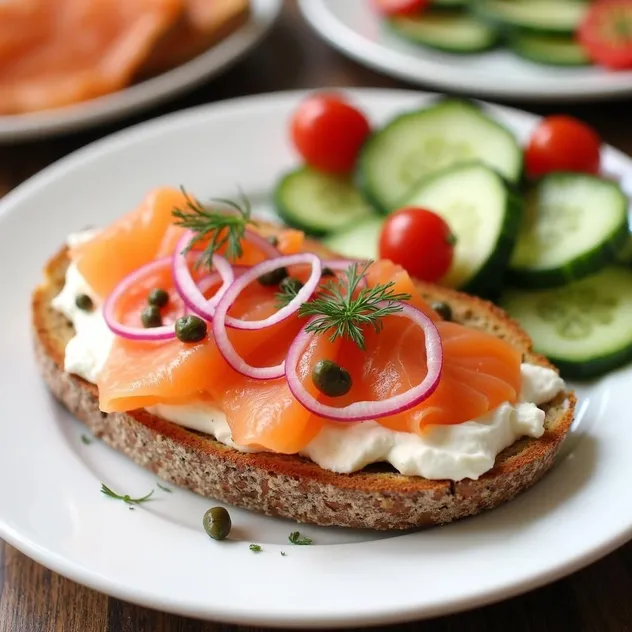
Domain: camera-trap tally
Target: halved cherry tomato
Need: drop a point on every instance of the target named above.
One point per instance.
(418, 240)
(562, 143)
(328, 132)
(606, 33)
(400, 7)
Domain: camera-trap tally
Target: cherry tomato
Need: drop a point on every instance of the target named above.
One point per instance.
(562, 143)
(418, 240)
(606, 33)
(400, 7)
(328, 132)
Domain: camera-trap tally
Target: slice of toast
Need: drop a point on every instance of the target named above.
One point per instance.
(290, 486)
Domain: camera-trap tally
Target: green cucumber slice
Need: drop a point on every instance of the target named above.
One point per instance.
(449, 5)
(359, 241)
(318, 203)
(484, 215)
(574, 224)
(585, 327)
(449, 32)
(415, 144)
(545, 16)
(552, 50)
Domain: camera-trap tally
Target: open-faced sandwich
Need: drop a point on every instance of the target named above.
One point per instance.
(247, 363)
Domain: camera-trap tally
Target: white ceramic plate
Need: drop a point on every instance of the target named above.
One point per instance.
(355, 29)
(158, 555)
(150, 92)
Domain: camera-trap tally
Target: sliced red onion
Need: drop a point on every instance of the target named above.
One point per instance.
(186, 285)
(365, 410)
(220, 319)
(303, 295)
(164, 332)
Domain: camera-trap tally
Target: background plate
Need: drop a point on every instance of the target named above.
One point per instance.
(355, 29)
(158, 555)
(151, 91)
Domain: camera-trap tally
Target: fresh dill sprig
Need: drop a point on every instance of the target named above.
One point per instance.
(287, 293)
(255, 548)
(221, 227)
(283, 553)
(165, 489)
(85, 439)
(296, 538)
(343, 310)
(126, 498)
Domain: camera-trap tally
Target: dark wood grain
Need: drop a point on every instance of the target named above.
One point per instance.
(33, 599)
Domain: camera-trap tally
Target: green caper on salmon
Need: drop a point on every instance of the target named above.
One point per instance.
(190, 329)
(274, 277)
(150, 317)
(158, 297)
(84, 302)
(331, 379)
(443, 309)
(217, 523)
(328, 272)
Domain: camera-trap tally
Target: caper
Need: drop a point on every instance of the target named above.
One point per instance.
(443, 309)
(331, 379)
(274, 277)
(328, 272)
(190, 329)
(290, 285)
(273, 240)
(150, 316)
(217, 523)
(84, 302)
(158, 297)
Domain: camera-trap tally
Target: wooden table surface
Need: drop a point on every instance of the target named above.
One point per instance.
(33, 599)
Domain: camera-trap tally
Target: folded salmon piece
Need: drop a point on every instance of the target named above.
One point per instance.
(204, 23)
(59, 52)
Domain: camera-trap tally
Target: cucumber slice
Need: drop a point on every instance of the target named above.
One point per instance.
(448, 32)
(585, 327)
(552, 50)
(545, 16)
(318, 203)
(417, 143)
(484, 216)
(449, 5)
(359, 241)
(574, 224)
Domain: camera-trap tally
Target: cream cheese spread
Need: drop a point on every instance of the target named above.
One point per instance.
(465, 450)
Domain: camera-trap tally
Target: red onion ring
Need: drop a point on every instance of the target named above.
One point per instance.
(365, 410)
(164, 332)
(220, 319)
(264, 267)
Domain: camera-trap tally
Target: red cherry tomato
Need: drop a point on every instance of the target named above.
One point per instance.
(606, 33)
(418, 240)
(328, 132)
(400, 7)
(562, 143)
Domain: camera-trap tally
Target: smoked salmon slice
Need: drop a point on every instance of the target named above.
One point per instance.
(59, 52)
(480, 371)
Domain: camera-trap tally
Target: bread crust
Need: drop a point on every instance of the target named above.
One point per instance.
(291, 486)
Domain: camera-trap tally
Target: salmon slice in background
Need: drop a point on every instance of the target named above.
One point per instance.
(69, 51)
(202, 24)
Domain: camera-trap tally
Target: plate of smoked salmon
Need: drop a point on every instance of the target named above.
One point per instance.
(67, 65)
(378, 330)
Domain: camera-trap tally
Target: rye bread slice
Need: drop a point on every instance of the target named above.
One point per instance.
(290, 486)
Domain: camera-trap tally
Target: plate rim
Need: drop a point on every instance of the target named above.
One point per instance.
(150, 92)
(74, 572)
(351, 44)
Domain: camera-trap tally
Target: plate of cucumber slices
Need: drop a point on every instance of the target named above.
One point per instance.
(522, 49)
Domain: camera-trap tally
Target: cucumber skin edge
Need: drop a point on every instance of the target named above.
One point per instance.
(583, 266)
(584, 370)
(362, 182)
